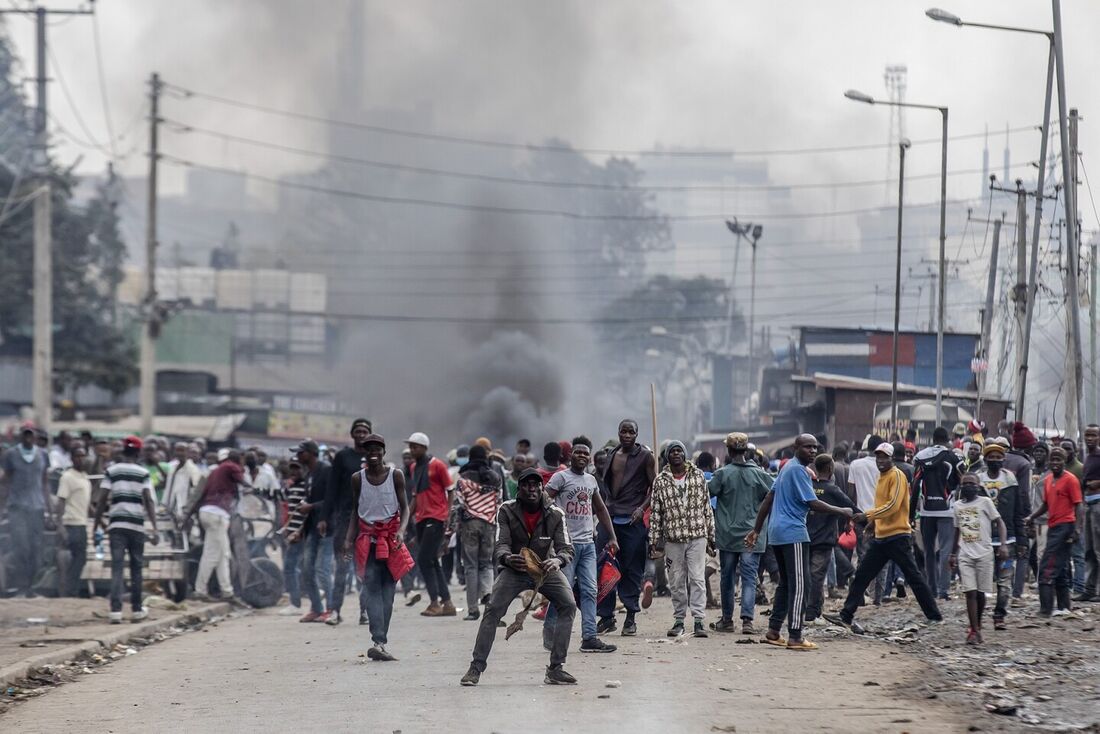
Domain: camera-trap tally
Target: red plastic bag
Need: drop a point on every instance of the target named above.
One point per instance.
(847, 539)
(607, 576)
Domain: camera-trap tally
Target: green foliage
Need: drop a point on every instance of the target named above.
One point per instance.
(90, 348)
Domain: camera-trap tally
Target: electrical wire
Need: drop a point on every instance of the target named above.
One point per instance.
(526, 211)
(184, 128)
(185, 93)
(72, 104)
(103, 88)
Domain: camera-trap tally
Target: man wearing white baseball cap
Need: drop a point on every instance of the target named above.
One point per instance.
(430, 483)
(889, 520)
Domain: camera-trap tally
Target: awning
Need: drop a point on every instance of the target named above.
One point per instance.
(216, 428)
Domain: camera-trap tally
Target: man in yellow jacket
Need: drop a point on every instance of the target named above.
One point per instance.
(888, 520)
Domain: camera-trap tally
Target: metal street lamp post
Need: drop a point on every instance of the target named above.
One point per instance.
(942, 284)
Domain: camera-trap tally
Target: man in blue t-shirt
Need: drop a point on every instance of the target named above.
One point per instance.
(791, 499)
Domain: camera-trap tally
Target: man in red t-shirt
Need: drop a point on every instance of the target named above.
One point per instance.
(429, 481)
(1062, 505)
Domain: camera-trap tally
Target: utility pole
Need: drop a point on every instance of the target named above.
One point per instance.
(1094, 406)
(1070, 193)
(1073, 294)
(42, 350)
(987, 312)
(1019, 295)
(147, 396)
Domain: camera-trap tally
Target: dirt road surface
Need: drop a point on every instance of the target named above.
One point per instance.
(269, 673)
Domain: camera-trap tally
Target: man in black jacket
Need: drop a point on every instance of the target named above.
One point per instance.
(1000, 485)
(534, 522)
(339, 510)
(935, 479)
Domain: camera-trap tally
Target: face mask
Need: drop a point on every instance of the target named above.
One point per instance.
(995, 465)
(708, 475)
(462, 460)
(969, 492)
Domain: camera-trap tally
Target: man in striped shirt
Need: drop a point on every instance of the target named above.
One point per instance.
(478, 491)
(128, 492)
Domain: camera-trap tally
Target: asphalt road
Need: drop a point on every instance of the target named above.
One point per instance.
(271, 674)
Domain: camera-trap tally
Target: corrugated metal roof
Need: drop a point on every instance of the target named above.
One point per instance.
(827, 380)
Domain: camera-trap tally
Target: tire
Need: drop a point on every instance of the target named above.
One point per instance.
(176, 590)
(265, 586)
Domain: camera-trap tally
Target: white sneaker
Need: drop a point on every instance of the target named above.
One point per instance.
(1060, 613)
(139, 616)
(290, 611)
(115, 617)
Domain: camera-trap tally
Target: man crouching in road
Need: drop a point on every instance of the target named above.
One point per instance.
(530, 521)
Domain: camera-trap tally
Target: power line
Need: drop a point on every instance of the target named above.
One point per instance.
(180, 127)
(103, 88)
(185, 93)
(526, 211)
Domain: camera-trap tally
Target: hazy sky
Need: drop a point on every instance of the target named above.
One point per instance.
(610, 74)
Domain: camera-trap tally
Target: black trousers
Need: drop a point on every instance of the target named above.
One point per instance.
(878, 553)
(76, 542)
(790, 594)
(429, 537)
(820, 555)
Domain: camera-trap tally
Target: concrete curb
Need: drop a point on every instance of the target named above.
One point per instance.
(17, 671)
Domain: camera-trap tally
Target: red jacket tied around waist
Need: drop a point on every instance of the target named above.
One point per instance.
(388, 547)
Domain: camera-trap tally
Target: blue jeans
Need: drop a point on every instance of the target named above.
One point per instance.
(292, 563)
(317, 560)
(583, 569)
(749, 564)
(1079, 570)
(377, 596)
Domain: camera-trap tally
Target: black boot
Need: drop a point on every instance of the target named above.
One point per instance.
(1046, 599)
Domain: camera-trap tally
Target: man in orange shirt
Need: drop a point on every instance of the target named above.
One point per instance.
(1062, 505)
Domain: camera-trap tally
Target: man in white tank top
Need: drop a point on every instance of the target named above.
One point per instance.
(383, 514)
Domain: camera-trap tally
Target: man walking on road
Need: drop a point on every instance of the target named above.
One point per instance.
(577, 495)
(1090, 488)
(74, 489)
(935, 480)
(682, 527)
(889, 521)
(1001, 486)
(430, 483)
(25, 466)
(381, 558)
(628, 481)
(530, 522)
(739, 489)
(1065, 519)
(791, 499)
(340, 511)
(129, 495)
(478, 491)
(215, 506)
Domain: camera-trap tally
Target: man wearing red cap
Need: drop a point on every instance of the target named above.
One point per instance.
(1018, 460)
(128, 491)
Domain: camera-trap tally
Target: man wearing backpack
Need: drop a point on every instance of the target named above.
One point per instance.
(935, 479)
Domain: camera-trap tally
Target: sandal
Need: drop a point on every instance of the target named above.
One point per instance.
(802, 645)
(778, 642)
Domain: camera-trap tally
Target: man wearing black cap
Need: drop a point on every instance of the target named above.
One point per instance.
(339, 510)
(533, 522)
(24, 481)
(317, 554)
(377, 536)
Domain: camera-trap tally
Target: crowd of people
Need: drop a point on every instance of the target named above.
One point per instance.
(590, 528)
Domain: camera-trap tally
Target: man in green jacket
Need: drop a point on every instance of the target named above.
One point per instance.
(738, 489)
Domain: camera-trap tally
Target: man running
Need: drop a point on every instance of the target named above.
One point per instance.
(791, 499)
(889, 521)
(532, 522)
(378, 494)
(739, 488)
(577, 495)
(339, 511)
(628, 481)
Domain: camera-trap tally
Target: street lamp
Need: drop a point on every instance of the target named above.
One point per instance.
(945, 17)
(902, 147)
(857, 96)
